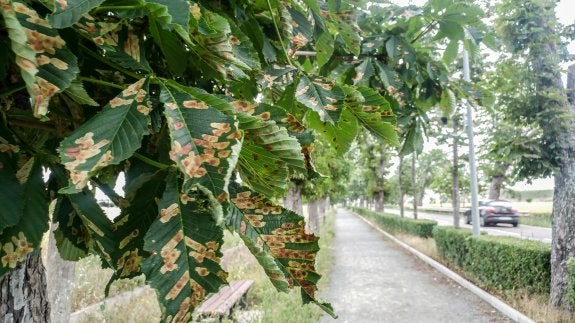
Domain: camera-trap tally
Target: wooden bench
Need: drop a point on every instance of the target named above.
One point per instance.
(221, 303)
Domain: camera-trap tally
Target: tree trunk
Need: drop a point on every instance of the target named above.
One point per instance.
(401, 209)
(313, 217)
(23, 296)
(292, 200)
(413, 185)
(455, 173)
(380, 196)
(60, 281)
(497, 181)
(563, 228)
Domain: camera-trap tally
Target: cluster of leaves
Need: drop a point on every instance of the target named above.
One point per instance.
(188, 99)
(183, 97)
(537, 102)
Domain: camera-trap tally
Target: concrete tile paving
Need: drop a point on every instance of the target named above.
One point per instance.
(374, 280)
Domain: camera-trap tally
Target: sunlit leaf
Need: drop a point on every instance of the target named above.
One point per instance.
(185, 245)
(321, 96)
(46, 65)
(68, 12)
(204, 141)
(108, 138)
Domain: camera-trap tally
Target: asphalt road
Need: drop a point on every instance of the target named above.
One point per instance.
(522, 231)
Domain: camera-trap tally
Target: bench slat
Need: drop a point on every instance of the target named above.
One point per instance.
(221, 302)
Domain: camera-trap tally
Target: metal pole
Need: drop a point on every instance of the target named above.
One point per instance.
(472, 168)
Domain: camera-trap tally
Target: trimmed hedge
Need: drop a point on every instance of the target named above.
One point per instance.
(499, 262)
(571, 280)
(396, 224)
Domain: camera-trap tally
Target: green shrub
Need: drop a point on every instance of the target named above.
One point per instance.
(571, 280)
(499, 262)
(396, 224)
(451, 244)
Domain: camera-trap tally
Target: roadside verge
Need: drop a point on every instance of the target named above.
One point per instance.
(490, 299)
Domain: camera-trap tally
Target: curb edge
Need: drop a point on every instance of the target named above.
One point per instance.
(498, 304)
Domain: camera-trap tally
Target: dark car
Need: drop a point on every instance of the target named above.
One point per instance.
(493, 212)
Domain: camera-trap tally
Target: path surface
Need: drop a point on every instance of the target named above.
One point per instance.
(374, 280)
(522, 231)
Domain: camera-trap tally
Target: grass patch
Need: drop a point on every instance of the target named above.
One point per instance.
(536, 219)
(273, 306)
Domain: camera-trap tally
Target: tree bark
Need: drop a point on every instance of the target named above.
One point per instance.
(60, 282)
(401, 208)
(497, 181)
(413, 185)
(455, 173)
(292, 200)
(563, 228)
(23, 296)
(380, 196)
(313, 216)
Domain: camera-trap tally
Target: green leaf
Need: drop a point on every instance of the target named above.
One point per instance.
(172, 48)
(204, 140)
(371, 113)
(388, 76)
(451, 51)
(364, 72)
(47, 67)
(281, 234)
(19, 240)
(70, 225)
(268, 152)
(451, 30)
(321, 96)
(339, 136)
(109, 137)
(11, 194)
(185, 245)
(350, 37)
(170, 13)
(390, 46)
(66, 249)
(324, 49)
(68, 12)
(277, 77)
(448, 102)
(78, 93)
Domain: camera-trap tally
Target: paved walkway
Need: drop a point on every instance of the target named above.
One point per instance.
(374, 280)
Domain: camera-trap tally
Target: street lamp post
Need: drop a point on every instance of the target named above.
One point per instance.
(472, 167)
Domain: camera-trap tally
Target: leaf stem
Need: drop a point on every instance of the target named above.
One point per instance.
(150, 161)
(425, 31)
(12, 90)
(96, 81)
(278, 32)
(115, 8)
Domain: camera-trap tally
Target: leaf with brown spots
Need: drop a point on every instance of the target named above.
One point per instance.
(321, 96)
(204, 141)
(68, 12)
(122, 42)
(280, 234)
(269, 154)
(46, 65)
(108, 138)
(19, 240)
(374, 112)
(185, 245)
